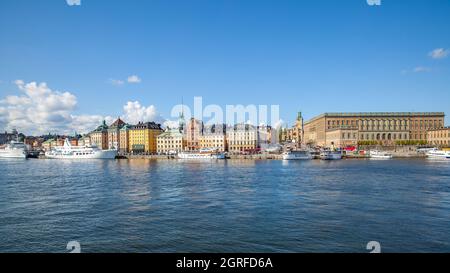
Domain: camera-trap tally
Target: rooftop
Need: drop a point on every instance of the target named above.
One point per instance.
(379, 114)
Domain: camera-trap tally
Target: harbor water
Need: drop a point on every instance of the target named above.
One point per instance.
(224, 206)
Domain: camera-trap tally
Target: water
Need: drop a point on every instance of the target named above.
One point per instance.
(226, 206)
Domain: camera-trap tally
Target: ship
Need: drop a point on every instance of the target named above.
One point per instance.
(14, 149)
(375, 154)
(331, 155)
(75, 152)
(438, 154)
(202, 154)
(297, 155)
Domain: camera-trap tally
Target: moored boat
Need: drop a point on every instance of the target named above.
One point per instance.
(375, 154)
(297, 155)
(72, 152)
(331, 155)
(14, 149)
(438, 154)
(207, 154)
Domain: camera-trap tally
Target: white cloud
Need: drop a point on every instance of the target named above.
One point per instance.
(40, 110)
(134, 112)
(172, 124)
(116, 82)
(73, 2)
(134, 79)
(439, 53)
(421, 69)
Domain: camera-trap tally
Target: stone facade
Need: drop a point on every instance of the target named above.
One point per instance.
(439, 137)
(386, 128)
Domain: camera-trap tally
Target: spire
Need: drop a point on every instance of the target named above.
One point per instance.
(181, 121)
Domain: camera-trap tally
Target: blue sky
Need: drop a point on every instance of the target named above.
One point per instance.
(314, 56)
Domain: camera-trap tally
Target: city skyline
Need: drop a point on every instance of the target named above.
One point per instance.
(137, 60)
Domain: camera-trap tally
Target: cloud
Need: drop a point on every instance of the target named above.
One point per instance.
(116, 82)
(134, 112)
(134, 79)
(73, 2)
(439, 53)
(39, 110)
(421, 69)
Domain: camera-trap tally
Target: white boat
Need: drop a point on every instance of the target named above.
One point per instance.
(438, 154)
(380, 155)
(72, 152)
(297, 155)
(14, 149)
(202, 154)
(331, 155)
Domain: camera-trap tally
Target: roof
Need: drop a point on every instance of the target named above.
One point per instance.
(147, 125)
(117, 124)
(171, 133)
(379, 114)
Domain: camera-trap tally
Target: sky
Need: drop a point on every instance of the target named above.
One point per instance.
(65, 65)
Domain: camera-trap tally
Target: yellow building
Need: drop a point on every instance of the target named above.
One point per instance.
(439, 137)
(171, 141)
(99, 137)
(142, 137)
(124, 135)
(242, 138)
(385, 128)
(214, 137)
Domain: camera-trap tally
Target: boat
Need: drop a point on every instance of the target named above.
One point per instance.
(74, 152)
(207, 154)
(14, 149)
(375, 154)
(331, 155)
(438, 154)
(297, 155)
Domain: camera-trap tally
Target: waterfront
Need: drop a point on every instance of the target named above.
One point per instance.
(224, 206)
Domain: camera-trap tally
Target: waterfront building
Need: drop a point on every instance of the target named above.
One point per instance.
(49, 144)
(342, 137)
(124, 135)
(384, 128)
(294, 134)
(34, 142)
(171, 141)
(142, 137)
(439, 137)
(114, 134)
(264, 135)
(242, 138)
(193, 132)
(84, 141)
(214, 137)
(99, 137)
(6, 137)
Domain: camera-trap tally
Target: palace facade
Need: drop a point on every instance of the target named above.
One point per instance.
(439, 137)
(385, 128)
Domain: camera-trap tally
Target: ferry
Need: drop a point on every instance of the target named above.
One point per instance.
(438, 154)
(331, 155)
(297, 155)
(72, 152)
(207, 154)
(380, 155)
(14, 149)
